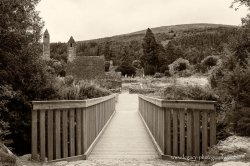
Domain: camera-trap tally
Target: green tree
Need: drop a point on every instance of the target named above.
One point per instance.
(149, 58)
(21, 68)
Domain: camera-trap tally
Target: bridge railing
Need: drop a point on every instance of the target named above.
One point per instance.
(179, 127)
(68, 128)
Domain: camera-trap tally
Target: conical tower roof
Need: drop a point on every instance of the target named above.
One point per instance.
(46, 32)
(71, 40)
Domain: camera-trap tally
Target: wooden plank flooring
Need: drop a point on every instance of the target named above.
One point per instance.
(125, 137)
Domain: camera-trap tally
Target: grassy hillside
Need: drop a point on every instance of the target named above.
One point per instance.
(190, 41)
(178, 29)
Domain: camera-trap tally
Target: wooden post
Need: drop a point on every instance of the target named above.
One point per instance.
(175, 132)
(50, 132)
(204, 133)
(196, 132)
(72, 132)
(212, 128)
(34, 128)
(58, 134)
(42, 135)
(65, 132)
(78, 132)
(167, 132)
(189, 132)
(182, 131)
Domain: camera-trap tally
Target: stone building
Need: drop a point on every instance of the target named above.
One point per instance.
(71, 49)
(87, 67)
(46, 45)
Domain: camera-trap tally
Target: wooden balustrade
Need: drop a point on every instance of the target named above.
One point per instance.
(69, 128)
(179, 127)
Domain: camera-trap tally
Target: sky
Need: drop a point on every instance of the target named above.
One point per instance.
(92, 19)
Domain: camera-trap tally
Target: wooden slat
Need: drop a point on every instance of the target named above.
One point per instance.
(58, 134)
(167, 133)
(182, 132)
(34, 134)
(97, 119)
(82, 128)
(78, 131)
(175, 132)
(65, 133)
(42, 135)
(189, 133)
(50, 132)
(204, 133)
(72, 132)
(212, 129)
(85, 125)
(196, 132)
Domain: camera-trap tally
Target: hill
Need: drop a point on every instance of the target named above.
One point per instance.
(190, 41)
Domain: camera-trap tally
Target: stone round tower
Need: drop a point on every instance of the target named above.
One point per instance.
(46, 45)
(71, 48)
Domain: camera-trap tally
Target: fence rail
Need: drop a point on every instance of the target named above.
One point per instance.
(179, 127)
(68, 128)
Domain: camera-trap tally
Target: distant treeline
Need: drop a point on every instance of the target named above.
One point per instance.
(192, 44)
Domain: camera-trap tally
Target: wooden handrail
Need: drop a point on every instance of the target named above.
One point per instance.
(192, 104)
(63, 104)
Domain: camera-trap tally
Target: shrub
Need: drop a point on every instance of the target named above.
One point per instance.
(167, 73)
(178, 66)
(240, 119)
(181, 92)
(79, 90)
(207, 63)
(137, 64)
(158, 75)
(140, 91)
(107, 66)
(126, 69)
(210, 61)
(149, 69)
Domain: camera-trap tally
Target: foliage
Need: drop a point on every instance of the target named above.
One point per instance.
(137, 64)
(207, 63)
(158, 75)
(240, 119)
(182, 92)
(126, 69)
(22, 73)
(6, 159)
(69, 89)
(134, 90)
(149, 59)
(178, 66)
(107, 66)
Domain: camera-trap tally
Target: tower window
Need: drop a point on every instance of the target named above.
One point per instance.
(71, 45)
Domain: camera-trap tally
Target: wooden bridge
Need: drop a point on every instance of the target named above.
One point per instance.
(114, 127)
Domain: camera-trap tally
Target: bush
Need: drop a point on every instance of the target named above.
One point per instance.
(210, 61)
(181, 92)
(158, 75)
(207, 63)
(126, 69)
(167, 73)
(178, 66)
(149, 69)
(107, 66)
(240, 119)
(137, 64)
(79, 90)
(140, 91)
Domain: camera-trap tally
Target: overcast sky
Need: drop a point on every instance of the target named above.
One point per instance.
(91, 19)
